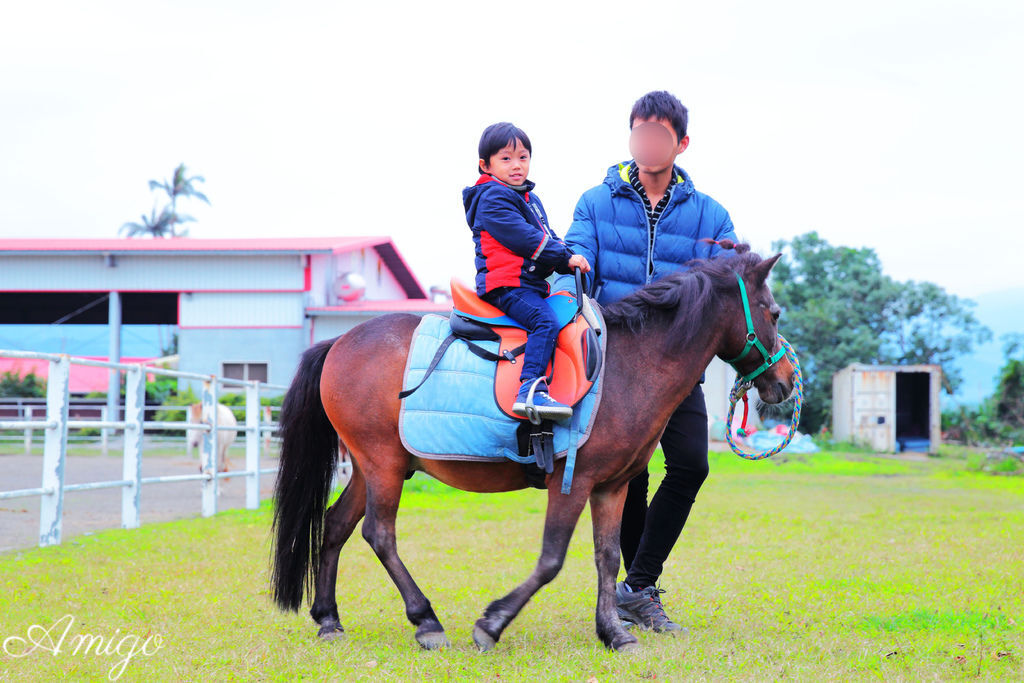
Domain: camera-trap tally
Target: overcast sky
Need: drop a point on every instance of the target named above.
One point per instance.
(892, 124)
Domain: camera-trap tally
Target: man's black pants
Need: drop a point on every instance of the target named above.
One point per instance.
(650, 531)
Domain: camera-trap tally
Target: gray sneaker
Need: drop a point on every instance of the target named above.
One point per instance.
(644, 609)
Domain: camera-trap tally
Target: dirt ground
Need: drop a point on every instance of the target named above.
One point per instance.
(89, 511)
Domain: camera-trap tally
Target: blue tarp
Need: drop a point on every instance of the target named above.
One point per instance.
(765, 441)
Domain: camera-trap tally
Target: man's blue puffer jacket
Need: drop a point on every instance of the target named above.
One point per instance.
(610, 228)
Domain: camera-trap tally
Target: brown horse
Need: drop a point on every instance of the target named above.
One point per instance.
(660, 340)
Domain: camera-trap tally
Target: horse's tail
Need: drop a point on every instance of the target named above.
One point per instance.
(309, 458)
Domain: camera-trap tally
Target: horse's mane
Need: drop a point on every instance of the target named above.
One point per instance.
(682, 299)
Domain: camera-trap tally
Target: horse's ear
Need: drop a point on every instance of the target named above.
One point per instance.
(759, 273)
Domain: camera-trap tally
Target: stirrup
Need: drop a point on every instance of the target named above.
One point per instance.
(536, 414)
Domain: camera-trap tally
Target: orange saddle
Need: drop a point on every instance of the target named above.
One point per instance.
(571, 372)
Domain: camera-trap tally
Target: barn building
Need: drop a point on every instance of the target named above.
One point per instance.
(244, 308)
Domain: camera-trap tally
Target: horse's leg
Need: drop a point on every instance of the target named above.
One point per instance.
(562, 514)
(225, 464)
(383, 493)
(339, 523)
(606, 511)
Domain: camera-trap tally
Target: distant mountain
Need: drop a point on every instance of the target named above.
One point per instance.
(1002, 312)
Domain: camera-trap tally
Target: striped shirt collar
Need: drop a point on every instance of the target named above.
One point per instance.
(653, 213)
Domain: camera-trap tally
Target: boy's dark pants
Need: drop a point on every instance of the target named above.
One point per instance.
(649, 532)
(528, 308)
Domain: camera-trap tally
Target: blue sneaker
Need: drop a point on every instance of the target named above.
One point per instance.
(547, 408)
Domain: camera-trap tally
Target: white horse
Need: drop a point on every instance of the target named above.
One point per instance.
(225, 418)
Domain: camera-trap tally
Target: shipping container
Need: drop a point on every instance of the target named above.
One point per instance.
(890, 408)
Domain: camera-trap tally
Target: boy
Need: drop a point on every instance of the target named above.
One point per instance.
(516, 251)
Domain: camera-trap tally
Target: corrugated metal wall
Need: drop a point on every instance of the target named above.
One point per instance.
(240, 309)
(205, 350)
(89, 273)
(842, 405)
(874, 409)
(331, 326)
(326, 268)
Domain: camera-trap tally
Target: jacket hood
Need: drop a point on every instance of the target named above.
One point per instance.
(618, 180)
(487, 182)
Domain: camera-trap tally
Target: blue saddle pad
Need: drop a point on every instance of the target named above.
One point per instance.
(454, 416)
(563, 306)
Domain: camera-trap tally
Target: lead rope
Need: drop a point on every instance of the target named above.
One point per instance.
(739, 392)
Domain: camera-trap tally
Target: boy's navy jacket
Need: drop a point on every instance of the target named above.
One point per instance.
(610, 229)
(514, 245)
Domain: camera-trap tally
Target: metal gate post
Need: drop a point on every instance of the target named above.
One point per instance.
(55, 446)
(105, 433)
(134, 402)
(28, 431)
(209, 447)
(252, 445)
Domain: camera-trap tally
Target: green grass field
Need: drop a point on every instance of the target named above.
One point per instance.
(841, 567)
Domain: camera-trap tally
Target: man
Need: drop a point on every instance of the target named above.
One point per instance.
(644, 221)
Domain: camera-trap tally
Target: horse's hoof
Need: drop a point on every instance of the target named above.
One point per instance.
(626, 647)
(621, 641)
(331, 632)
(483, 639)
(434, 640)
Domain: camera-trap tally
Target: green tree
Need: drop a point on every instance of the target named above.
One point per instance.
(165, 224)
(832, 297)
(1008, 399)
(928, 325)
(1000, 417)
(840, 308)
(13, 384)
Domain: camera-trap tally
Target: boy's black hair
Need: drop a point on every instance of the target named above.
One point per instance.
(497, 135)
(661, 104)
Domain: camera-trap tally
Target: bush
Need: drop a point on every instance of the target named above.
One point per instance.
(994, 463)
(975, 462)
(175, 399)
(160, 390)
(829, 445)
(29, 386)
(1006, 464)
(972, 425)
(233, 399)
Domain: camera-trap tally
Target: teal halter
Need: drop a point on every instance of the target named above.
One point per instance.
(753, 341)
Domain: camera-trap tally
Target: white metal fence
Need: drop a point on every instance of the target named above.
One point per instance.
(56, 424)
(23, 410)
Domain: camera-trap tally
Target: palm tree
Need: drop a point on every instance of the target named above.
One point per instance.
(180, 186)
(164, 224)
(153, 225)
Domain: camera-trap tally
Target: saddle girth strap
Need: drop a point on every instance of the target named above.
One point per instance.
(509, 355)
(570, 456)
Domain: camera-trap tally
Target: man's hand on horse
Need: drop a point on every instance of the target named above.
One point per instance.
(579, 261)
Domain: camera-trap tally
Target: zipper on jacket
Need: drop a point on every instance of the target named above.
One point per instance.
(651, 228)
(650, 237)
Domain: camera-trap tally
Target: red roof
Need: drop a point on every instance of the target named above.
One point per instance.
(188, 244)
(384, 247)
(399, 306)
(84, 378)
